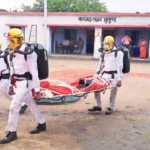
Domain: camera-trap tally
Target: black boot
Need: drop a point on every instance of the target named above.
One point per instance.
(39, 128)
(11, 136)
(109, 111)
(95, 108)
(23, 109)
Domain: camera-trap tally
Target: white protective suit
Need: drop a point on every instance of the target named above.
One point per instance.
(4, 83)
(23, 88)
(110, 63)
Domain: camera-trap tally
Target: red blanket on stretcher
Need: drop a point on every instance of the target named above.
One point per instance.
(86, 84)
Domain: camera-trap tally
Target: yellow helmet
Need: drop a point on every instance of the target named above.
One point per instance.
(14, 38)
(108, 43)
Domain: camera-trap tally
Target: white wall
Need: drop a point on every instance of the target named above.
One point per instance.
(28, 20)
(97, 42)
(62, 20)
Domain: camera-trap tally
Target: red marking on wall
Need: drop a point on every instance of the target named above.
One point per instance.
(17, 25)
(99, 25)
(77, 14)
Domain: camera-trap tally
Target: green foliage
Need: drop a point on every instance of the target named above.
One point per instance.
(26, 8)
(68, 6)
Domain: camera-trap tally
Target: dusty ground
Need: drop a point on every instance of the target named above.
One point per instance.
(71, 127)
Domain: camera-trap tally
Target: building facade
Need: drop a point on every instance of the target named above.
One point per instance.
(90, 26)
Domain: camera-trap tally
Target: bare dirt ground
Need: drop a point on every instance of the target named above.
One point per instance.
(71, 127)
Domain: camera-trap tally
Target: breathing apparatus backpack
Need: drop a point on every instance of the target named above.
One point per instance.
(42, 59)
(126, 58)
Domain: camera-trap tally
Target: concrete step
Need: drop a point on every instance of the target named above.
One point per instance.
(72, 56)
(89, 57)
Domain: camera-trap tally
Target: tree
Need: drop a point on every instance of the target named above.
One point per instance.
(67, 6)
(27, 8)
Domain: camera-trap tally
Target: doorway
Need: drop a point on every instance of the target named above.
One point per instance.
(90, 41)
(108, 32)
(70, 34)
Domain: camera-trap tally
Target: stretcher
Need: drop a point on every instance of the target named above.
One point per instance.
(78, 88)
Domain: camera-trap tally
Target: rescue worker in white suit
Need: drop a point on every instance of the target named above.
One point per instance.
(25, 74)
(111, 70)
(4, 78)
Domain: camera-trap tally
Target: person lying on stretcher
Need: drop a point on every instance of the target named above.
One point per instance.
(81, 85)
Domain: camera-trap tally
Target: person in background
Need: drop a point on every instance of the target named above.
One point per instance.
(72, 44)
(80, 44)
(126, 42)
(65, 46)
(142, 45)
